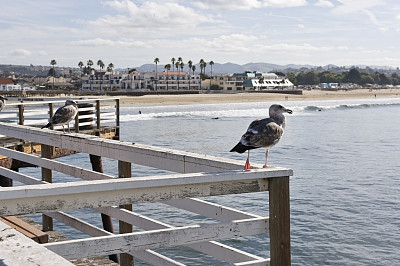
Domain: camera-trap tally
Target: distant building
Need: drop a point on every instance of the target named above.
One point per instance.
(7, 84)
(251, 81)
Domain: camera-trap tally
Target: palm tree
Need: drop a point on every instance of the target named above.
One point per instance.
(190, 64)
(110, 69)
(53, 63)
(168, 68)
(182, 65)
(80, 65)
(193, 69)
(101, 65)
(156, 60)
(90, 64)
(211, 64)
(201, 66)
(173, 63)
(177, 70)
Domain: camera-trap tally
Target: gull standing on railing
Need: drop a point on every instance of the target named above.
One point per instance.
(64, 115)
(263, 133)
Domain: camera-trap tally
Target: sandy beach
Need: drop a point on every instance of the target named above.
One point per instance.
(257, 97)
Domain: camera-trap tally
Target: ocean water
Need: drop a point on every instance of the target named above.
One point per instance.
(344, 194)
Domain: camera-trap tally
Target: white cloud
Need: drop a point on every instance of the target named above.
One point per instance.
(99, 42)
(301, 26)
(150, 15)
(324, 3)
(247, 4)
(20, 53)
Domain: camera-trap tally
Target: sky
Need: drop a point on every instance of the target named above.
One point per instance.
(131, 33)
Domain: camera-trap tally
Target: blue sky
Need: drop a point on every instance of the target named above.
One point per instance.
(131, 33)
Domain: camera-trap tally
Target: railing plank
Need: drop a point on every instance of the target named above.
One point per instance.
(100, 193)
(100, 246)
(148, 256)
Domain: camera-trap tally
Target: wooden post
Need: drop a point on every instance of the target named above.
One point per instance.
(97, 166)
(117, 121)
(51, 112)
(98, 116)
(77, 123)
(47, 152)
(20, 114)
(124, 171)
(279, 221)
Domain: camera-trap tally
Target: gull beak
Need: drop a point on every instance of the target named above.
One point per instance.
(288, 111)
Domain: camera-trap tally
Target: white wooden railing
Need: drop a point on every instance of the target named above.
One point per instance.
(93, 113)
(195, 176)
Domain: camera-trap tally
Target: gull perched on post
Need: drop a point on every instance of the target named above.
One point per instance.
(263, 133)
(64, 115)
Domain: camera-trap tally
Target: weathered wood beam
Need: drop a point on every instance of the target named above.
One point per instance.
(162, 158)
(148, 256)
(100, 246)
(54, 165)
(100, 193)
(212, 248)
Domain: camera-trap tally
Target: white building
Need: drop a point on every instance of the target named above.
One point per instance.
(7, 84)
(251, 81)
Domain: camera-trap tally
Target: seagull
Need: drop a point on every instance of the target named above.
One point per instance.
(2, 102)
(64, 115)
(263, 133)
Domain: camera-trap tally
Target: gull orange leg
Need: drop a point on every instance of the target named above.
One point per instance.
(266, 157)
(247, 164)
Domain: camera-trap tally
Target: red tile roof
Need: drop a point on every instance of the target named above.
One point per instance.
(6, 81)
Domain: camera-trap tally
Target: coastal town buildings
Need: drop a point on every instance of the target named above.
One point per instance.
(251, 81)
(103, 81)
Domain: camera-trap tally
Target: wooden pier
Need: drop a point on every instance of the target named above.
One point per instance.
(193, 176)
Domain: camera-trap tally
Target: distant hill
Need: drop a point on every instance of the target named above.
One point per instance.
(229, 68)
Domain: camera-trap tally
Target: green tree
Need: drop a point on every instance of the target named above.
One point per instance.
(383, 79)
(366, 79)
(307, 78)
(353, 76)
(53, 63)
(292, 78)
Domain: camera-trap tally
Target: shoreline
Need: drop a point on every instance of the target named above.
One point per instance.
(256, 97)
(204, 98)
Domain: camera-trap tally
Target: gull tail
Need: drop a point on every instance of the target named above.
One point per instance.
(240, 148)
(47, 126)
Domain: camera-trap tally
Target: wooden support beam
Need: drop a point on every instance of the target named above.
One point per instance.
(47, 176)
(100, 246)
(125, 171)
(279, 222)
